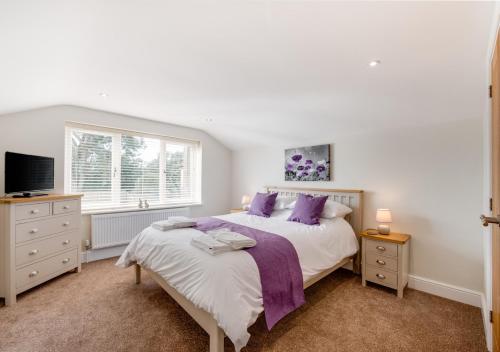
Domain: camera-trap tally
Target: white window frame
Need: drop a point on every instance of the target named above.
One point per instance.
(116, 167)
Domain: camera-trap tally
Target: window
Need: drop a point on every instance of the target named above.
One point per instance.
(116, 168)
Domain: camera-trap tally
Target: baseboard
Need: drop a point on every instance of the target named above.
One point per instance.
(92, 255)
(83, 257)
(485, 310)
(455, 293)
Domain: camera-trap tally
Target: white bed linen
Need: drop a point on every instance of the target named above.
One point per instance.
(228, 285)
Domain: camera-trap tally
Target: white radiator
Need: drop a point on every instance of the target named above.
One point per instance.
(117, 229)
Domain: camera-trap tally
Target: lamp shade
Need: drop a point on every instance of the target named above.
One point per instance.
(245, 199)
(384, 215)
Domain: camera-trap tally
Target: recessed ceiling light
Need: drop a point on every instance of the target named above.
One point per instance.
(374, 63)
(103, 95)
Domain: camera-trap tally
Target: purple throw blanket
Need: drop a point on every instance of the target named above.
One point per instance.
(278, 264)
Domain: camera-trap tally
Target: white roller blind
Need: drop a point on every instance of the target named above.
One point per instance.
(116, 168)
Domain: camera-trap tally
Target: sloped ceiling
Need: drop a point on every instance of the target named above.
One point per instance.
(250, 72)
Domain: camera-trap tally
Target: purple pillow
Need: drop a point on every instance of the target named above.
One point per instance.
(308, 209)
(263, 204)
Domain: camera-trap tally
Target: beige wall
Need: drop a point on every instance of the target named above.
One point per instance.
(41, 132)
(431, 177)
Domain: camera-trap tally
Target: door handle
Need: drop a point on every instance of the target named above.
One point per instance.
(486, 220)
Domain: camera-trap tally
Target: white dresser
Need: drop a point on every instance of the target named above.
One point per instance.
(39, 240)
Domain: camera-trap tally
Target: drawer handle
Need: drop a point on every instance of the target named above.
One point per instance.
(66, 242)
(381, 262)
(65, 223)
(65, 261)
(35, 211)
(33, 252)
(34, 273)
(380, 248)
(66, 207)
(380, 276)
(34, 231)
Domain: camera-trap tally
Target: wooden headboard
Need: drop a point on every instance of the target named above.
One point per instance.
(353, 198)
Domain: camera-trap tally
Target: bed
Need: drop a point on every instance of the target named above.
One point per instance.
(223, 293)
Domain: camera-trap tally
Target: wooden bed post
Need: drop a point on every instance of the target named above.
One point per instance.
(202, 317)
(137, 274)
(216, 340)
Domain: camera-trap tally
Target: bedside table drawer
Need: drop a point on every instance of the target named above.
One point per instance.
(381, 262)
(382, 277)
(382, 248)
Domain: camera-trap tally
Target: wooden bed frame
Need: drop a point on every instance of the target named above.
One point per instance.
(351, 198)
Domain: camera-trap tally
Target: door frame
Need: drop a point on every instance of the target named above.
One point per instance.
(487, 305)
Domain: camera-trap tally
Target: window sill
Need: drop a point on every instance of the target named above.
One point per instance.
(135, 209)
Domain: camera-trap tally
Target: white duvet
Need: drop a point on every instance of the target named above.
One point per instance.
(228, 285)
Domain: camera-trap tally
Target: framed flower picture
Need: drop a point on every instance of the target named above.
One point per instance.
(308, 163)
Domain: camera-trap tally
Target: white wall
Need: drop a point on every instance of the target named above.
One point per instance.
(41, 132)
(431, 177)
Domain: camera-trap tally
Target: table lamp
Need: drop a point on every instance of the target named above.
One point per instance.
(245, 202)
(384, 217)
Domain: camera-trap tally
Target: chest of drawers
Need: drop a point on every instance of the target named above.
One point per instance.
(39, 240)
(385, 260)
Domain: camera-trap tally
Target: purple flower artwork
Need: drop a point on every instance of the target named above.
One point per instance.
(308, 163)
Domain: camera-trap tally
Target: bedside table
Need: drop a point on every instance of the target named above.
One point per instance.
(236, 210)
(385, 260)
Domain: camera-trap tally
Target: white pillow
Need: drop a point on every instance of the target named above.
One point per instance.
(282, 214)
(334, 209)
(284, 203)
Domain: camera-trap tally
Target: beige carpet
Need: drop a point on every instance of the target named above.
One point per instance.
(101, 309)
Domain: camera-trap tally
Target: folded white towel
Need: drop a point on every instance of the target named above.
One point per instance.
(210, 245)
(173, 222)
(180, 219)
(234, 239)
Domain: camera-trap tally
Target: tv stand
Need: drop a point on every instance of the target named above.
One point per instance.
(29, 195)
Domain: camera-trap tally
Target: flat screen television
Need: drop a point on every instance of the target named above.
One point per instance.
(28, 173)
